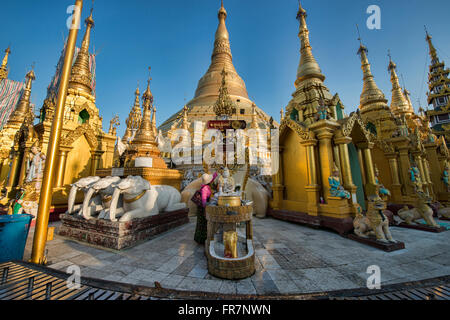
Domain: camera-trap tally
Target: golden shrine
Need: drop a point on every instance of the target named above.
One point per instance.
(84, 147)
(330, 163)
(140, 155)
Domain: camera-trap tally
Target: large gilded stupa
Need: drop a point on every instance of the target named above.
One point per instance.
(201, 107)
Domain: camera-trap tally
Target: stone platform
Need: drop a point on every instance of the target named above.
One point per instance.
(120, 235)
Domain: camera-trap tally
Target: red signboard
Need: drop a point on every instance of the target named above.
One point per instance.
(223, 125)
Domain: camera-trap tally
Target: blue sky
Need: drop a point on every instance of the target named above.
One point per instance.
(176, 38)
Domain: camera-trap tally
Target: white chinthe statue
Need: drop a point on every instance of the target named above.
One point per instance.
(84, 185)
(141, 200)
(98, 198)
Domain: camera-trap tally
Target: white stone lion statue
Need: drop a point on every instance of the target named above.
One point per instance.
(141, 199)
(83, 185)
(254, 190)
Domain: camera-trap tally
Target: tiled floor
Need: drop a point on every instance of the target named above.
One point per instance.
(290, 259)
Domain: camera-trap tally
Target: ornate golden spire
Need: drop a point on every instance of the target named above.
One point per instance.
(223, 107)
(4, 67)
(23, 106)
(145, 136)
(222, 58)
(371, 94)
(399, 104)
(308, 67)
(134, 119)
(81, 78)
(433, 52)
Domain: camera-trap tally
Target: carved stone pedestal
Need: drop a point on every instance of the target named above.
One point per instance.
(120, 235)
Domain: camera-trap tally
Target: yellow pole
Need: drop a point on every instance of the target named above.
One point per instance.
(45, 200)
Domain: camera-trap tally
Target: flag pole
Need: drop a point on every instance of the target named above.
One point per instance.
(45, 199)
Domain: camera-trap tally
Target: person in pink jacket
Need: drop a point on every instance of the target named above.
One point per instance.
(206, 193)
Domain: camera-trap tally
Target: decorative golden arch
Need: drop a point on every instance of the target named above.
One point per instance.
(85, 130)
(349, 125)
(301, 131)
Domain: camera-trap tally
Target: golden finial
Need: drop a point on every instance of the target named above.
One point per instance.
(148, 97)
(5, 59)
(308, 67)
(81, 77)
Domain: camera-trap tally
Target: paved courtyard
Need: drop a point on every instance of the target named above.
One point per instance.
(290, 259)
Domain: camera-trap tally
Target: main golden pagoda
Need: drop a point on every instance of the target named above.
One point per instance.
(84, 147)
(201, 107)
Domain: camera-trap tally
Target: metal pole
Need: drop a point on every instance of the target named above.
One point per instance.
(45, 199)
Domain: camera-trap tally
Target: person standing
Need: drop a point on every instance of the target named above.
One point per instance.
(201, 198)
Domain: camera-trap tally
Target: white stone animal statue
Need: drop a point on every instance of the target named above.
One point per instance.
(374, 223)
(141, 199)
(254, 191)
(443, 211)
(422, 210)
(99, 196)
(83, 185)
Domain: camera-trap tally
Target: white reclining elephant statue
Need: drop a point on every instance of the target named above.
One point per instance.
(99, 196)
(84, 185)
(141, 200)
(254, 190)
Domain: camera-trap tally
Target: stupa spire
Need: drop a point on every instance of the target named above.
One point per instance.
(371, 94)
(308, 67)
(4, 67)
(81, 77)
(145, 134)
(433, 52)
(399, 104)
(134, 118)
(221, 58)
(23, 106)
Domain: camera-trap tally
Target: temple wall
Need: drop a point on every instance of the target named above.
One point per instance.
(78, 161)
(295, 171)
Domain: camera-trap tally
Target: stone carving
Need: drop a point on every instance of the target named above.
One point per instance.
(83, 185)
(442, 211)
(226, 183)
(36, 169)
(421, 211)
(141, 200)
(374, 223)
(98, 198)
